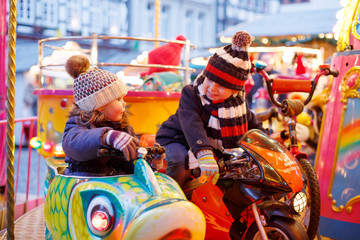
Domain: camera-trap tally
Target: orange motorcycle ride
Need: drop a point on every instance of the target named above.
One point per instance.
(247, 201)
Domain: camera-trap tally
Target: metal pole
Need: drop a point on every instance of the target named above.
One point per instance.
(40, 60)
(157, 16)
(258, 222)
(94, 50)
(187, 59)
(10, 96)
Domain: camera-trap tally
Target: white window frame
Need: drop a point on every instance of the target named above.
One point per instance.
(49, 13)
(26, 11)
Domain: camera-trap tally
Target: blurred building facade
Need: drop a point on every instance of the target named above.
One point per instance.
(198, 20)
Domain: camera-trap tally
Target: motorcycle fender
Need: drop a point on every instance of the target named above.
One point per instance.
(275, 208)
(301, 155)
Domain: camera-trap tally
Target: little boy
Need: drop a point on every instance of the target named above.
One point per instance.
(212, 114)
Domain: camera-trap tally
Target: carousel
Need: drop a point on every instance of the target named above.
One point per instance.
(153, 96)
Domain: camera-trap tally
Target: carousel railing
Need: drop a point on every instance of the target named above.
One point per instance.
(93, 51)
(29, 170)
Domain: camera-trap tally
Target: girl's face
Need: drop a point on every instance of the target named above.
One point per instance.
(114, 110)
(215, 92)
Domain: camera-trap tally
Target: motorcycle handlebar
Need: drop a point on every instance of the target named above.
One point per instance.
(268, 114)
(278, 86)
(110, 152)
(334, 73)
(236, 159)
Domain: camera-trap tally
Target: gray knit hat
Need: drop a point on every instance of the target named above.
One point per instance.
(93, 87)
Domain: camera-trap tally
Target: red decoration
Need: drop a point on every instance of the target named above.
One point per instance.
(300, 68)
(167, 54)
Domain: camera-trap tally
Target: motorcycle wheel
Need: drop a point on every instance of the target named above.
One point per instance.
(310, 218)
(278, 229)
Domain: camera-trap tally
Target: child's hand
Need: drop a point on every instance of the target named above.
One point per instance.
(157, 163)
(123, 142)
(158, 159)
(208, 166)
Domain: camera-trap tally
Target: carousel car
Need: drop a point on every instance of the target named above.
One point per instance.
(143, 205)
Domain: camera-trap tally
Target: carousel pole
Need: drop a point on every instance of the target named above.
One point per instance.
(2, 58)
(10, 143)
(157, 15)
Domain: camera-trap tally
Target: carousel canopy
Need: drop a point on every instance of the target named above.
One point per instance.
(289, 23)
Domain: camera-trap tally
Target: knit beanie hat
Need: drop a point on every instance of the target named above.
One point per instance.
(230, 65)
(93, 87)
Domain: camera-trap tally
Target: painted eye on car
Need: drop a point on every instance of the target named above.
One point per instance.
(100, 215)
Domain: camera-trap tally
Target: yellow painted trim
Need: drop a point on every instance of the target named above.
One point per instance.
(355, 22)
(333, 205)
(351, 202)
(348, 92)
(345, 25)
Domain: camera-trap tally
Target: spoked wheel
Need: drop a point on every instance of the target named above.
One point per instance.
(278, 229)
(310, 217)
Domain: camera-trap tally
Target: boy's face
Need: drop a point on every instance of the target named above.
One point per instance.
(215, 92)
(114, 110)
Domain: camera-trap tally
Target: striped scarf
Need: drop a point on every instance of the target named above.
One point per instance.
(228, 118)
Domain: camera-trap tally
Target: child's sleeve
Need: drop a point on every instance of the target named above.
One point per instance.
(253, 123)
(81, 143)
(192, 125)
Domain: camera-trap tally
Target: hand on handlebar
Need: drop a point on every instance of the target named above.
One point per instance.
(158, 159)
(123, 142)
(208, 166)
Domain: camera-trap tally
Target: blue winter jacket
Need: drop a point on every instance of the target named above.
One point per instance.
(81, 145)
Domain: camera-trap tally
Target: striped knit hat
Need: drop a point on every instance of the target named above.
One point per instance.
(93, 87)
(230, 65)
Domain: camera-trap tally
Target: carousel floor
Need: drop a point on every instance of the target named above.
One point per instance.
(30, 226)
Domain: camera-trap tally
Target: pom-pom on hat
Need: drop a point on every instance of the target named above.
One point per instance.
(93, 87)
(230, 65)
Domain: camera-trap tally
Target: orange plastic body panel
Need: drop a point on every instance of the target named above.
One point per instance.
(284, 163)
(208, 198)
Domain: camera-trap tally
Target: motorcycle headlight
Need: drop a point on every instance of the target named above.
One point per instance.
(299, 202)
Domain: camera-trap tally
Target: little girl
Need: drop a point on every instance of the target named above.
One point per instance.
(97, 120)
